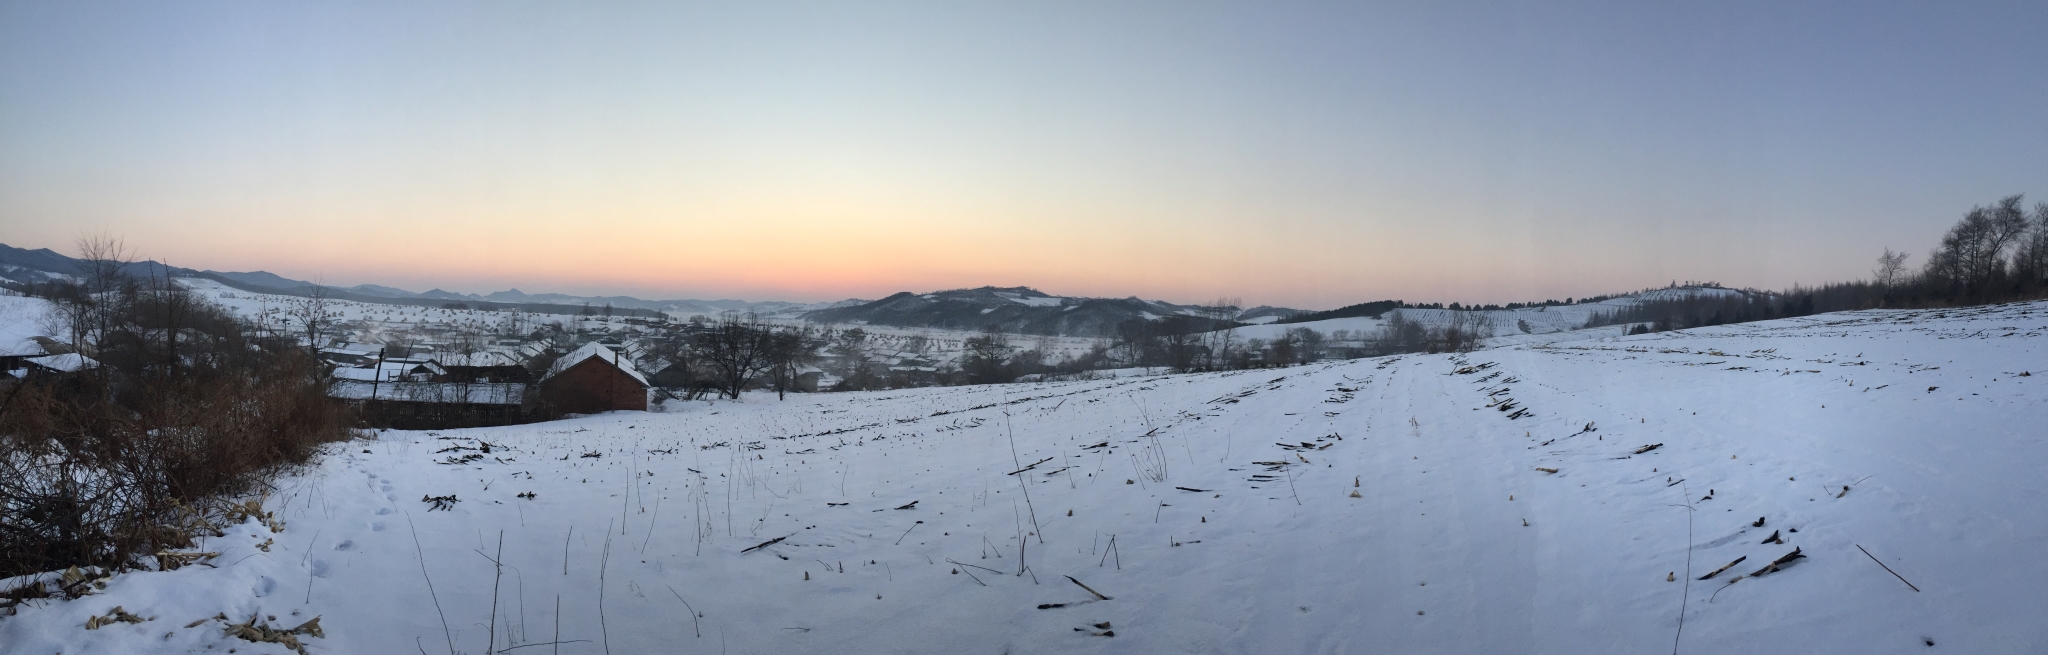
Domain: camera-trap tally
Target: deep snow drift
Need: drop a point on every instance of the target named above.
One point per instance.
(1457, 540)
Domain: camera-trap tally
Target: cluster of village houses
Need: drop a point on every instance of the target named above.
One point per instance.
(516, 381)
(459, 382)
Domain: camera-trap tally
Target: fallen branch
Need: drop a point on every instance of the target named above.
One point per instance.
(1648, 448)
(1729, 565)
(1887, 569)
(1775, 564)
(1199, 491)
(765, 544)
(1091, 590)
(1032, 466)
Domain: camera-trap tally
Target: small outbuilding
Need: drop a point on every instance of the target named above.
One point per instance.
(592, 379)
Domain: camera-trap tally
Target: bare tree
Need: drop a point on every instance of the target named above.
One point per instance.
(1181, 342)
(1282, 349)
(789, 351)
(1309, 344)
(103, 281)
(1971, 256)
(2031, 262)
(1890, 267)
(1223, 315)
(987, 358)
(314, 315)
(736, 350)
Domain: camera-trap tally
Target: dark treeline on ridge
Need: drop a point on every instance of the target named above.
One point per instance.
(1993, 254)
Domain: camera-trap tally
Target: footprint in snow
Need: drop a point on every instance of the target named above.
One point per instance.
(376, 526)
(345, 544)
(391, 497)
(264, 586)
(383, 510)
(320, 568)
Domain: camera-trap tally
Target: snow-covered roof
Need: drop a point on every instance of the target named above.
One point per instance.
(598, 350)
(21, 347)
(68, 362)
(482, 393)
(485, 358)
(388, 370)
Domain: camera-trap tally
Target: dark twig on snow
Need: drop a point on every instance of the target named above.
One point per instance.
(693, 612)
(1887, 569)
(1032, 466)
(1091, 590)
(906, 533)
(1724, 567)
(1775, 564)
(556, 644)
(977, 579)
(604, 630)
(421, 553)
(1685, 597)
(772, 542)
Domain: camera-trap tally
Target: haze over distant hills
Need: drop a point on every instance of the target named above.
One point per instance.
(1020, 310)
(1014, 309)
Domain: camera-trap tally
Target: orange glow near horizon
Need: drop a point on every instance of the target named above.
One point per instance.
(1310, 157)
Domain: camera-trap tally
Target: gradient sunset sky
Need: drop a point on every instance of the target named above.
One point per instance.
(1298, 154)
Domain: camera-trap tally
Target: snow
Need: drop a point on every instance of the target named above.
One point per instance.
(1356, 324)
(1930, 418)
(598, 350)
(67, 362)
(21, 318)
(476, 393)
(485, 358)
(1039, 301)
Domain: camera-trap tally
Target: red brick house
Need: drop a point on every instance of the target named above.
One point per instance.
(594, 379)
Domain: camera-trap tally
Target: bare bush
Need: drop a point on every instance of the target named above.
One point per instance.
(186, 406)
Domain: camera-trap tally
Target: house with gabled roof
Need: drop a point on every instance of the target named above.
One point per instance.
(592, 379)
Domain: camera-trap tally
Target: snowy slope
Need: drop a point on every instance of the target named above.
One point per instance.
(1503, 322)
(1456, 543)
(377, 320)
(21, 319)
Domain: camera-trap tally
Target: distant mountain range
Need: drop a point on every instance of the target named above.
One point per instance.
(42, 265)
(1023, 310)
(1019, 310)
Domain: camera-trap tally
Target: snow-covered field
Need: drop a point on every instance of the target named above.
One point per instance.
(1913, 435)
(1507, 326)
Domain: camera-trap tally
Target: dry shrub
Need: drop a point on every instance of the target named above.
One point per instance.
(109, 466)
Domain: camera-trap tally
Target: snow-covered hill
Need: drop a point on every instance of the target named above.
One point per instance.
(35, 266)
(1023, 310)
(1505, 325)
(1512, 500)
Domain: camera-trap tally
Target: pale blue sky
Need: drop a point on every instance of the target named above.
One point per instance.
(1288, 153)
